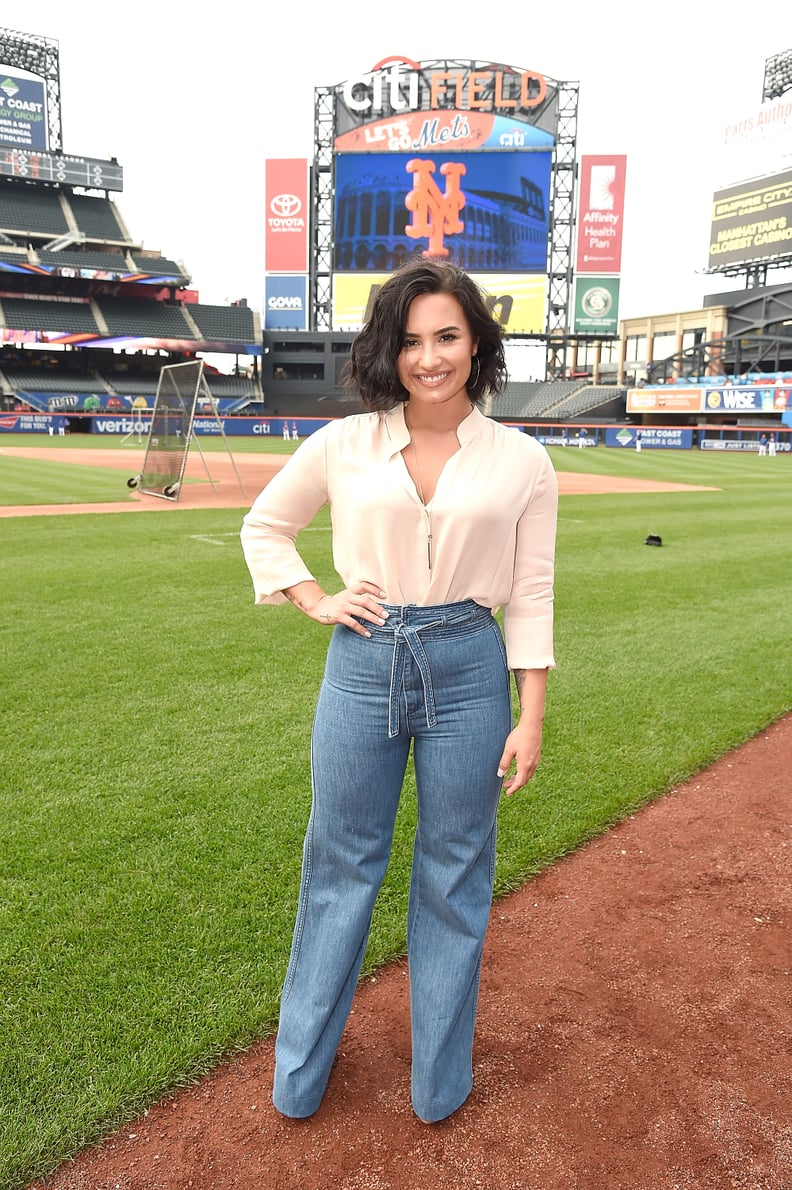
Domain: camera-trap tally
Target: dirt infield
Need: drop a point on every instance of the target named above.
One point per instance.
(254, 471)
(634, 1032)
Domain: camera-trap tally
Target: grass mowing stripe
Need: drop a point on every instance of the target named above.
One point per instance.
(155, 775)
(36, 481)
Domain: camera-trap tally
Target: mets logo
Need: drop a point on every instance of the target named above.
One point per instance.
(435, 214)
(285, 205)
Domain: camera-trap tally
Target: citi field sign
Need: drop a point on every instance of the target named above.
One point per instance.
(402, 105)
(399, 85)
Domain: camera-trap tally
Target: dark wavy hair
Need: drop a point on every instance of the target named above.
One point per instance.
(372, 370)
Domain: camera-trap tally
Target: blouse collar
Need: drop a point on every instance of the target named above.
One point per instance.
(398, 435)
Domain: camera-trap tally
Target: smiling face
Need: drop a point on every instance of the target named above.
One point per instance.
(436, 356)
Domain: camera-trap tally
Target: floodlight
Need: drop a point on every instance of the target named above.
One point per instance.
(777, 75)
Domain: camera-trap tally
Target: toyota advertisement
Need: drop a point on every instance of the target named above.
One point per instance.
(286, 238)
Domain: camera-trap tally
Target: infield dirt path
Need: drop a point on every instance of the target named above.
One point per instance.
(253, 469)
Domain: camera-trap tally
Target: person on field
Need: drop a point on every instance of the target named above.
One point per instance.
(440, 516)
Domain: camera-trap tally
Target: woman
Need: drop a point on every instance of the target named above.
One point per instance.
(439, 516)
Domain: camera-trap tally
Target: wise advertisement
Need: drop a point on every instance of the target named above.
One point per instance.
(489, 212)
(600, 214)
(23, 112)
(747, 398)
(597, 305)
(752, 221)
(516, 300)
(287, 215)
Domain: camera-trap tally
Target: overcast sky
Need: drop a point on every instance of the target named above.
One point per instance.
(192, 101)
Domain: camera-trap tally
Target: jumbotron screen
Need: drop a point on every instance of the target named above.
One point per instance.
(487, 211)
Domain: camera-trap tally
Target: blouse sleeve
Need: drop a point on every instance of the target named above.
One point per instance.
(528, 616)
(286, 505)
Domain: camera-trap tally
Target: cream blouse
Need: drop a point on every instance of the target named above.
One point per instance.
(492, 521)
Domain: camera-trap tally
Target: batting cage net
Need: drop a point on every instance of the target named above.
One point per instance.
(171, 429)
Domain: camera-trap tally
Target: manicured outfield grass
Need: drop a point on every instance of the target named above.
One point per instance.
(154, 785)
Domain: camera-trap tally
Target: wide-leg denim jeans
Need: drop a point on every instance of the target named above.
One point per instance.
(436, 678)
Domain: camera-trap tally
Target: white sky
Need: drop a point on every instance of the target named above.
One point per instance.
(192, 101)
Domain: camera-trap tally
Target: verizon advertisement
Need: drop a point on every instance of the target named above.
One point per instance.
(600, 214)
(286, 240)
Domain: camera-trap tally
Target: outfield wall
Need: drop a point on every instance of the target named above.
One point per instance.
(136, 428)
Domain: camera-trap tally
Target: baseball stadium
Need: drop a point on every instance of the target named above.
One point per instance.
(155, 765)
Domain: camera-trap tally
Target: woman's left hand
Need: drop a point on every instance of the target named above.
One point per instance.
(521, 754)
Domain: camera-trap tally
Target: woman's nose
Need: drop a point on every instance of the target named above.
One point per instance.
(428, 354)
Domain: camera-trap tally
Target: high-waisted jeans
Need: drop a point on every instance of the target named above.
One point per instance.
(435, 677)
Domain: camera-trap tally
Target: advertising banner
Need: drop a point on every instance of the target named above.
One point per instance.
(665, 399)
(286, 238)
(756, 142)
(427, 132)
(742, 444)
(600, 214)
(517, 300)
(652, 437)
(752, 221)
(596, 305)
(746, 398)
(485, 211)
(286, 302)
(23, 112)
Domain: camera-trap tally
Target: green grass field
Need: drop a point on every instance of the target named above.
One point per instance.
(155, 772)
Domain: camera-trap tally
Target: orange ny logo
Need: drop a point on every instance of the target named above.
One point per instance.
(434, 214)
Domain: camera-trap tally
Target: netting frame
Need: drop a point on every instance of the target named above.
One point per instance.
(166, 483)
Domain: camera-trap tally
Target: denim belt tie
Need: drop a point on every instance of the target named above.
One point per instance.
(407, 636)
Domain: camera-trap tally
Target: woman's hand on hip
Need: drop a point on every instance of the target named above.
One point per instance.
(361, 601)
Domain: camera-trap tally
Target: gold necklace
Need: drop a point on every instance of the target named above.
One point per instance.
(427, 513)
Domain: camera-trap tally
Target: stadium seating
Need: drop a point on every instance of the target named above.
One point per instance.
(133, 317)
(157, 266)
(50, 316)
(96, 218)
(115, 261)
(58, 247)
(28, 209)
(232, 324)
(53, 380)
(585, 400)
